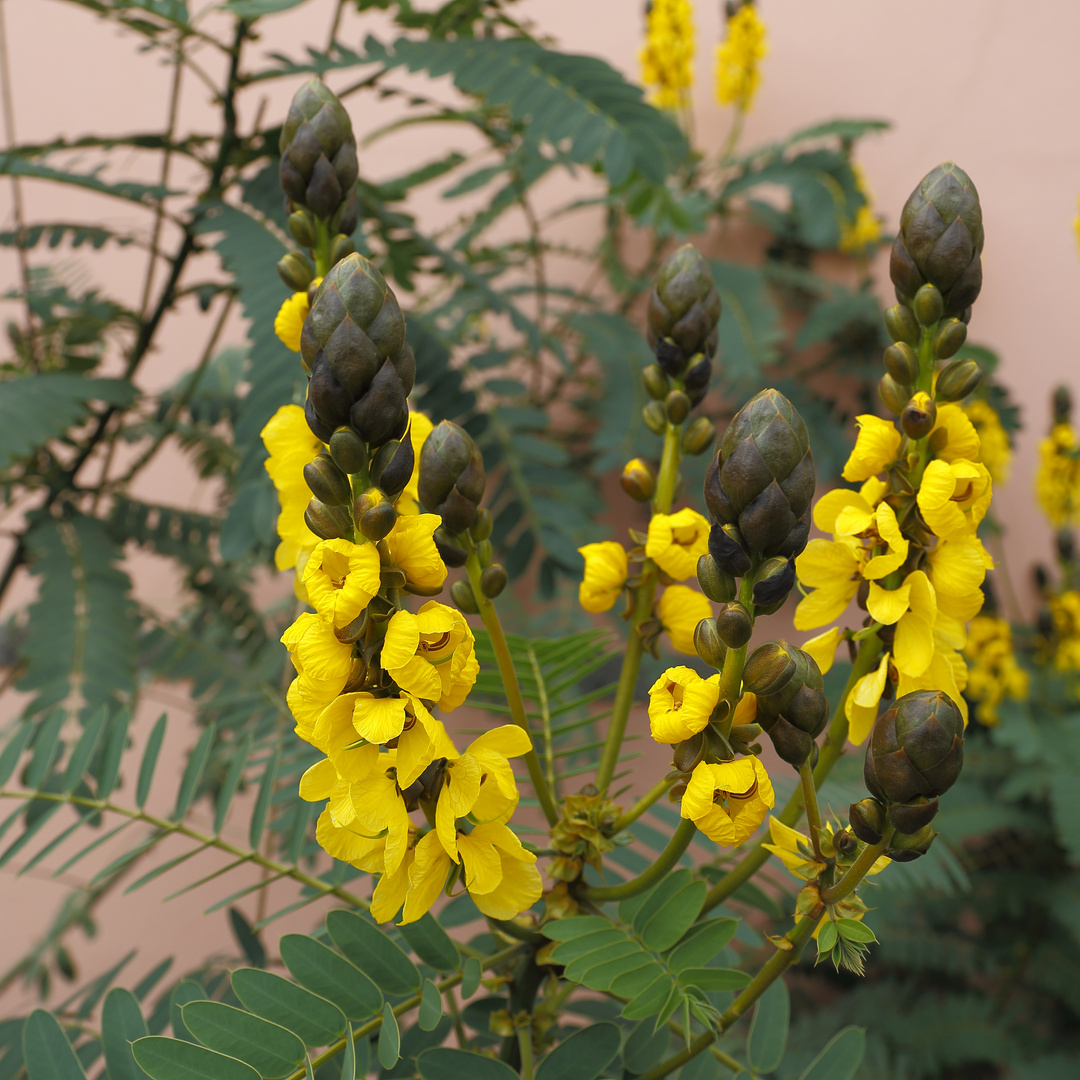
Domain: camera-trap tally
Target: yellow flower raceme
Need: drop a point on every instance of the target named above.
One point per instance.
(606, 571)
(675, 542)
(430, 654)
(680, 704)
(291, 446)
(876, 447)
(953, 497)
(1065, 643)
(728, 802)
(995, 450)
(1057, 482)
(290, 320)
(420, 427)
(865, 231)
(681, 609)
(341, 578)
(993, 673)
(668, 54)
(412, 550)
(738, 59)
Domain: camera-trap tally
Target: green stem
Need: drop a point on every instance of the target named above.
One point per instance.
(524, 1035)
(702, 1042)
(654, 794)
(857, 870)
(643, 602)
(678, 844)
(735, 662)
(810, 803)
(321, 250)
(510, 683)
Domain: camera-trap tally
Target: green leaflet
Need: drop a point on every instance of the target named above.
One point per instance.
(324, 972)
(270, 1049)
(841, 1057)
(583, 1056)
(121, 1024)
(169, 1059)
(13, 164)
(443, 1063)
(363, 943)
(47, 1051)
(281, 1001)
(431, 943)
(389, 1039)
(431, 1004)
(767, 1038)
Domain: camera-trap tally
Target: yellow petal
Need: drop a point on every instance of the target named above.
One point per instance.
(853, 520)
(823, 648)
(913, 646)
(963, 440)
(519, 888)
(318, 782)
(833, 503)
(508, 740)
(427, 876)
(675, 542)
(887, 605)
(824, 605)
(401, 641)
(823, 563)
(861, 707)
(483, 866)
(875, 448)
(680, 610)
(378, 719)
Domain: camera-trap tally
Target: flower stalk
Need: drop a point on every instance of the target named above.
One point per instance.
(677, 846)
(869, 855)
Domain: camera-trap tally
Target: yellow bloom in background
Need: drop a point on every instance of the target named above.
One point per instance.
(728, 802)
(680, 704)
(667, 58)
(606, 571)
(412, 550)
(289, 322)
(993, 672)
(291, 446)
(681, 609)
(995, 450)
(865, 231)
(675, 542)
(420, 427)
(1065, 616)
(738, 59)
(876, 447)
(431, 654)
(1057, 481)
(341, 578)
(954, 497)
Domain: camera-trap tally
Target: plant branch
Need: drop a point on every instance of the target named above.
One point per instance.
(653, 795)
(702, 1042)
(678, 844)
(857, 870)
(810, 804)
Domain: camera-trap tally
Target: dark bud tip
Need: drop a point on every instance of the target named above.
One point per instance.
(867, 819)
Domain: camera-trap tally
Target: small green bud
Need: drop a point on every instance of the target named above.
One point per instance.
(655, 417)
(893, 394)
(912, 816)
(484, 552)
(773, 581)
(328, 522)
(327, 482)
(902, 363)
(481, 528)
(348, 450)
(462, 595)
(950, 338)
(493, 579)
(907, 848)
(295, 270)
(867, 818)
(677, 406)
(341, 247)
(375, 514)
(928, 305)
(452, 478)
(734, 625)
(301, 228)
(708, 643)
(958, 380)
(657, 384)
(698, 436)
(902, 325)
(392, 466)
(637, 480)
(919, 416)
(718, 585)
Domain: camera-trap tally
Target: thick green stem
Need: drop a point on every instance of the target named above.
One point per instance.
(857, 870)
(654, 794)
(510, 684)
(810, 803)
(643, 602)
(678, 844)
(735, 661)
(702, 1042)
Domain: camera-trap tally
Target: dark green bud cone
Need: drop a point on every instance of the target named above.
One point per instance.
(327, 482)
(451, 477)
(328, 522)
(791, 704)
(683, 310)
(727, 549)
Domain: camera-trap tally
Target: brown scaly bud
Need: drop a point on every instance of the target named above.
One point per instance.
(791, 704)
(449, 551)
(683, 311)
(734, 625)
(906, 847)
(727, 549)
(451, 477)
(940, 240)
(328, 522)
(774, 579)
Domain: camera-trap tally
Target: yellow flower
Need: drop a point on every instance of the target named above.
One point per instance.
(680, 704)
(321, 782)
(912, 608)
(1065, 644)
(606, 571)
(291, 446)
(865, 231)
(675, 542)
(833, 569)
(1057, 482)
(738, 59)
(341, 578)
(993, 673)
(393, 888)
(681, 609)
(954, 497)
(379, 807)
(668, 54)
(793, 849)
(420, 427)
(953, 435)
(345, 843)
(876, 447)
(316, 653)
(823, 648)
(290, 320)
(995, 450)
(412, 550)
(728, 802)
(430, 654)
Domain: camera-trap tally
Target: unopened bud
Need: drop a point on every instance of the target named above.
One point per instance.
(773, 581)
(698, 436)
(726, 548)
(348, 450)
(867, 818)
(958, 380)
(912, 816)
(655, 417)
(637, 480)
(845, 843)
(683, 310)
(295, 270)
(452, 478)
(657, 384)
(493, 580)
(392, 466)
(902, 363)
(484, 552)
(1062, 405)
(902, 325)
(1065, 542)
(950, 338)
(906, 848)
(893, 394)
(919, 416)
(328, 522)
(482, 526)
(450, 552)
(677, 406)
(928, 305)
(718, 585)
(301, 228)
(734, 625)
(375, 514)
(327, 482)
(462, 595)
(708, 643)
(341, 247)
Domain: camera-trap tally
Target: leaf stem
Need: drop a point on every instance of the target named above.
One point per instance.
(678, 844)
(857, 870)
(810, 803)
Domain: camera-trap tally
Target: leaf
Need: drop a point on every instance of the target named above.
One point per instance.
(47, 1052)
(12, 164)
(9, 759)
(185, 991)
(324, 972)
(247, 939)
(262, 800)
(444, 1063)
(272, 1050)
(431, 943)
(189, 782)
(701, 943)
(583, 1056)
(231, 782)
(84, 748)
(389, 1039)
(363, 943)
(149, 761)
(646, 1046)
(121, 1024)
(767, 1038)
(651, 1000)
(1065, 809)
(854, 930)
(431, 1005)
(749, 330)
(109, 762)
(170, 1059)
(280, 1001)
(252, 9)
(841, 1057)
(471, 974)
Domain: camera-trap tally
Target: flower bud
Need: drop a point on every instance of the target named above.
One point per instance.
(493, 579)
(902, 363)
(482, 526)
(912, 816)
(958, 380)
(902, 325)
(916, 748)
(346, 217)
(1065, 542)
(950, 338)
(708, 643)
(449, 551)
(698, 436)
(341, 247)
(655, 417)
(734, 625)
(867, 818)
(696, 380)
(485, 552)
(677, 406)
(773, 581)
(462, 595)
(907, 848)
(295, 270)
(1062, 405)
(452, 477)
(348, 450)
(683, 310)
(791, 704)
(919, 416)
(928, 305)
(689, 753)
(657, 384)
(327, 482)
(727, 551)
(375, 514)
(392, 466)
(301, 228)
(718, 585)
(845, 843)
(893, 394)
(328, 522)
(637, 480)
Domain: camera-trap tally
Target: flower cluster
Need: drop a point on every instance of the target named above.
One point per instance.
(667, 58)
(993, 673)
(995, 449)
(1060, 641)
(1057, 482)
(738, 58)
(864, 232)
